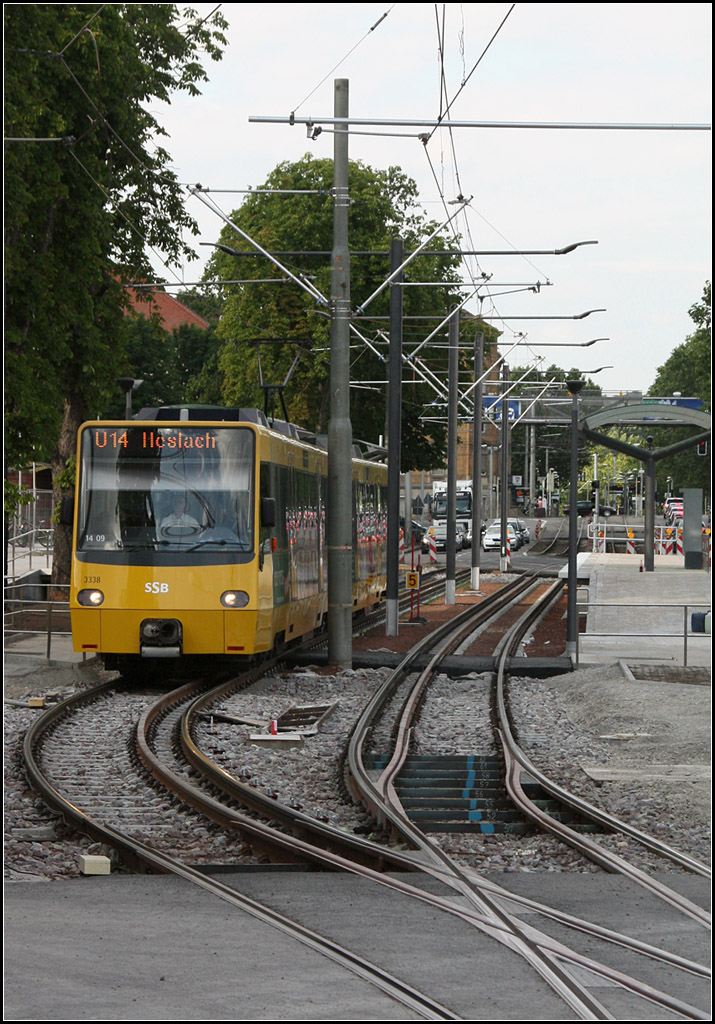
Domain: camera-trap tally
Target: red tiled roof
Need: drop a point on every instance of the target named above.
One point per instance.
(170, 311)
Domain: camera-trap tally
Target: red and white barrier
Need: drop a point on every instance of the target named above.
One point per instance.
(679, 542)
(402, 546)
(508, 550)
(630, 544)
(432, 548)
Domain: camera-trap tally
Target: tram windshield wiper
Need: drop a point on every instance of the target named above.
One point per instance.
(237, 545)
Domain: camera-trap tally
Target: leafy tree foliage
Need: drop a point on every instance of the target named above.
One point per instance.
(688, 371)
(82, 208)
(276, 321)
(171, 365)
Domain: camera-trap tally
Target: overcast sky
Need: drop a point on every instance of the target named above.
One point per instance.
(644, 195)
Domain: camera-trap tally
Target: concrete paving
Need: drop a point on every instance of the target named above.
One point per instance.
(155, 948)
(116, 948)
(642, 616)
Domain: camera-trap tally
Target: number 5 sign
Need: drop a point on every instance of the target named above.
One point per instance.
(412, 580)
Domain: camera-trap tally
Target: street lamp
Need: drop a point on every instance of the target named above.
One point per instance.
(128, 384)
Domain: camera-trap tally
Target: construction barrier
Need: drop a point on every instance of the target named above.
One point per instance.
(432, 549)
(679, 542)
(630, 544)
(402, 546)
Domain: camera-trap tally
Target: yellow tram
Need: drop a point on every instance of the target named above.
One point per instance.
(202, 532)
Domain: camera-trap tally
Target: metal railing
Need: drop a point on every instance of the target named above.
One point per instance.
(685, 634)
(31, 534)
(32, 616)
(667, 540)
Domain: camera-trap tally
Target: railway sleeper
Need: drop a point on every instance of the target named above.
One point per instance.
(467, 793)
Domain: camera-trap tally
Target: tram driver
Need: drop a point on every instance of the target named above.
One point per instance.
(179, 523)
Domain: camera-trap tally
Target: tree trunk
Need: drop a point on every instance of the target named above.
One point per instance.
(72, 418)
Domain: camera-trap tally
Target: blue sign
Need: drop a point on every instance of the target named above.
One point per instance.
(491, 407)
(684, 403)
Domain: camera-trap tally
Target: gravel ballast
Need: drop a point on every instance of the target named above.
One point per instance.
(592, 718)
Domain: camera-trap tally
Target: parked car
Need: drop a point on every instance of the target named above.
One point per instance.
(525, 535)
(439, 531)
(520, 529)
(469, 533)
(585, 508)
(672, 509)
(516, 538)
(418, 529)
(492, 537)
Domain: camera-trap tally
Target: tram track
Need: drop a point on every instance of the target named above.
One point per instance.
(483, 913)
(383, 800)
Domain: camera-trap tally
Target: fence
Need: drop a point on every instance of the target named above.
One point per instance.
(30, 535)
(685, 634)
(28, 613)
(667, 540)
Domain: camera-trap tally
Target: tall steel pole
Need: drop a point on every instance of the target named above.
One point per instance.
(649, 532)
(504, 503)
(339, 526)
(394, 442)
(477, 461)
(450, 591)
(574, 387)
(532, 472)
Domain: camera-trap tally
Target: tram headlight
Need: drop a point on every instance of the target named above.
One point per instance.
(90, 598)
(234, 599)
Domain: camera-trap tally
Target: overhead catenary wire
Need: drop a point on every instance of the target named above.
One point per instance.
(482, 55)
(83, 29)
(121, 213)
(343, 59)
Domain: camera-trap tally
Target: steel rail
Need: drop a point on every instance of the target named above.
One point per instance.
(561, 952)
(485, 922)
(140, 854)
(300, 824)
(541, 947)
(540, 956)
(517, 761)
(404, 862)
(596, 930)
(385, 784)
(377, 857)
(147, 857)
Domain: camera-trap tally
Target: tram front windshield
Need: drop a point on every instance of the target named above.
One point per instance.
(165, 490)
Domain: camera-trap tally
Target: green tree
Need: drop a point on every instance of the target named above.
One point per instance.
(171, 365)
(82, 209)
(687, 371)
(277, 321)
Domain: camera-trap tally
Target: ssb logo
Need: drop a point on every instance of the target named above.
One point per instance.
(412, 580)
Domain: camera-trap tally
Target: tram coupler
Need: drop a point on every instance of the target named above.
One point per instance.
(161, 638)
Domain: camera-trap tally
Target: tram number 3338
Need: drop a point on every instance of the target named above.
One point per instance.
(156, 588)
